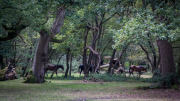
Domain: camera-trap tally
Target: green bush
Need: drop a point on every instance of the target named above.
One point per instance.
(2, 72)
(175, 87)
(30, 78)
(166, 81)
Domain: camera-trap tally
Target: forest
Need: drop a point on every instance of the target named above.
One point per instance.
(98, 40)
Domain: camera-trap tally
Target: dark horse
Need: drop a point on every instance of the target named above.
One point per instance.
(82, 68)
(53, 68)
(137, 69)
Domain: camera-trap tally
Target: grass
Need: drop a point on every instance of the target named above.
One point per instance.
(64, 89)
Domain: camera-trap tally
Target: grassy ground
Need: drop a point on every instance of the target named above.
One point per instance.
(75, 89)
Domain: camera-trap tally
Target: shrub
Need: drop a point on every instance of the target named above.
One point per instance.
(165, 81)
(2, 74)
(30, 78)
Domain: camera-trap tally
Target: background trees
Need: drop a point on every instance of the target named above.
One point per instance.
(152, 27)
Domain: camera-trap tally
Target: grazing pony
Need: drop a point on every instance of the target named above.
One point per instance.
(82, 68)
(53, 68)
(137, 69)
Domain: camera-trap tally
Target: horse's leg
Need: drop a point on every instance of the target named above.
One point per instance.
(129, 70)
(52, 74)
(56, 72)
(139, 76)
(81, 71)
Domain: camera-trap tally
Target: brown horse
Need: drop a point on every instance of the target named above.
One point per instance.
(137, 69)
(53, 68)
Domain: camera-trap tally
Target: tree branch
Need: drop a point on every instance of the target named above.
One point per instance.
(96, 53)
(146, 54)
(57, 40)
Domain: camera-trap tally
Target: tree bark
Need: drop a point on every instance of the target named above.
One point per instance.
(67, 62)
(179, 66)
(120, 56)
(84, 54)
(41, 56)
(154, 63)
(167, 63)
(2, 62)
(148, 58)
(42, 48)
(96, 53)
(70, 65)
(109, 69)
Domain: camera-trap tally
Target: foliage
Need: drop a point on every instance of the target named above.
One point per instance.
(26, 48)
(6, 48)
(166, 81)
(30, 77)
(136, 29)
(105, 78)
(2, 74)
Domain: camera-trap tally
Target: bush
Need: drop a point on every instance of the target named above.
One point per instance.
(166, 81)
(2, 74)
(30, 77)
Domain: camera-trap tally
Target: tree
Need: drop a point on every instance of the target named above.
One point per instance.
(17, 15)
(153, 22)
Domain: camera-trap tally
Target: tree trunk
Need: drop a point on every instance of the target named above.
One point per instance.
(70, 65)
(148, 58)
(154, 62)
(179, 66)
(42, 48)
(67, 63)
(41, 56)
(167, 63)
(84, 54)
(96, 53)
(109, 69)
(2, 62)
(120, 56)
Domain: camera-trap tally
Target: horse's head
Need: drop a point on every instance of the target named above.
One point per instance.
(144, 69)
(62, 67)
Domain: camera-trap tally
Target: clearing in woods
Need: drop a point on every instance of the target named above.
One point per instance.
(71, 89)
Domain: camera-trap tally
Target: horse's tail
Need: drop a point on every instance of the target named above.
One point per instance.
(130, 70)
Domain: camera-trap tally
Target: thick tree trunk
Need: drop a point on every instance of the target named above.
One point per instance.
(41, 56)
(42, 48)
(167, 63)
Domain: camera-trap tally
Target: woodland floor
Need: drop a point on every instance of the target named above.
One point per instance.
(58, 89)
